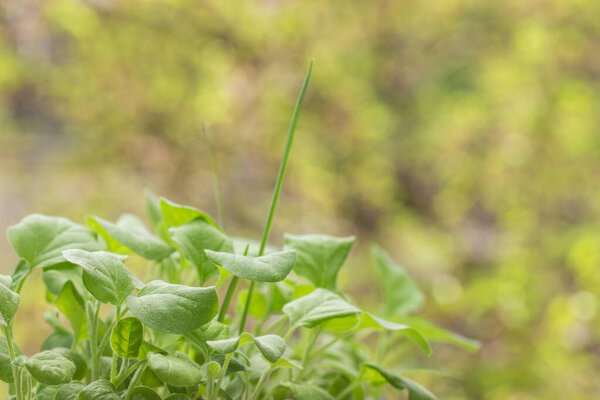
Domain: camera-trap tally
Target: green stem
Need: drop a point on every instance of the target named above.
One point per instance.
(230, 290)
(115, 356)
(134, 381)
(221, 376)
(246, 308)
(279, 182)
(125, 373)
(215, 174)
(11, 350)
(306, 356)
(261, 383)
(92, 315)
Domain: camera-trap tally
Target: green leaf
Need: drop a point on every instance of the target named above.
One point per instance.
(56, 276)
(40, 240)
(273, 267)
(127, 337)
(58, 338)
(435, 333)
(72, 306)
(178, 396)
(376, 374)
(174, 214)
(303, 391)
(320, 257)
(368, 320)
(46, 392)
(5, 369)
(174, 308)
(19, 274)
(50, 368)
(133, 234)
(9, 303)
(317, 307)
(144, 393)
(5, 280)
(212, 369)
(104, 275)
(75, 358)
(146, 348)
(70, 391)
(99, 390)
(402, 296)
(175, 370)
(271, 346)
(195, 237)
(234, 364)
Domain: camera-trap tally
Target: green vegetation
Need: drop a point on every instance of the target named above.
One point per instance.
(174, 339)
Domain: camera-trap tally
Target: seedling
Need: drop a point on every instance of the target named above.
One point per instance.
(290, 334)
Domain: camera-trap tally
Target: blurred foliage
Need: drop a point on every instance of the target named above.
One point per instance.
(465, 133)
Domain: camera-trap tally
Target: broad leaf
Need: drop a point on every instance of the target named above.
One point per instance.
(303, 391)
(104, 275)
(50, 368)
(6, 374)
(47, 392)
(376, 374)
(175, 370)
(70, 391)
(9, 303)
(70, 303)
(320, 257)
(133, 234)
(273, 267)
(99, 390)
(174, 214)
(271, 346)
(435, 333)
(144, 393)
(75, 358)
(127, 337)
(58, 338)
(40, 240)
(402, 296)
(195, 237)
(318, 307)
(174, 308)
(368, 320)
(56, 276)
(146, 348)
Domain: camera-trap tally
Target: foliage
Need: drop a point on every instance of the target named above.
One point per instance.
(172, 338)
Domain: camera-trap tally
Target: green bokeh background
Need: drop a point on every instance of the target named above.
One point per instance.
(463, 136)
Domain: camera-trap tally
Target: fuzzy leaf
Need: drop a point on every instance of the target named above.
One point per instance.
(133, 234)
(71, 305)
(56, 276)
(50, 368)
(320, 257)
(402, 296)
(104, 275)
(368, 320)
(174, 214)
(9, 303)
(273, 267)
(174, 308)
(70, 391)
(6, 374)
(303, 391)
(40, 240)
(75, 358)
(99, 390)
(127, 337)
(375, 374)
(271, 346)
(195, 237)
(175, 370)
(317, 307)
(144, 393)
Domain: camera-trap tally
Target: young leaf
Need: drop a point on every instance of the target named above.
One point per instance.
(144, 393)
(9, 303)
(72, 306)
(6, 374)
(40, 240)
(99, 390)
(19, 274)
(127, 337)
(368, 320)
(133, 234)
(175, 370)
(56, 276)
(47, 392)
(75, 358)
(174, 214)
(104, 275)
(174, 308)
(318, 307)
(50, 368)
(146, 348)
(271, 346)
(273, 267)
(195, 237)
(303, 391)
(320, 257)
(376, 374)
(70, 391)
(435, 333)
(402, 296)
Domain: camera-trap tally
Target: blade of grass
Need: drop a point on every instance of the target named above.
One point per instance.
(278, 184)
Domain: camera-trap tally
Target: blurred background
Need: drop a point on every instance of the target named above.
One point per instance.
(463, 136)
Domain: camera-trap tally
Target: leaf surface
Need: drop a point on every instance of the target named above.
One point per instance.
(271, 346)
(273, 267)
(9, 303)
(50, 368)
(317, 307)
(303, 391)
(375, 373)
(127, 337)
(175, 370)
(99, 390)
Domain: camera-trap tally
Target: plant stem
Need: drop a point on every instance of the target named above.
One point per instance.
(230, 289)
(11, 350)
(221, 376)
(246, 308)
(134, 381)
(278, 184)
(261, 383)
(306, 356)
(215, 175)
(115, 356)
(92, 315)
(125, 373)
